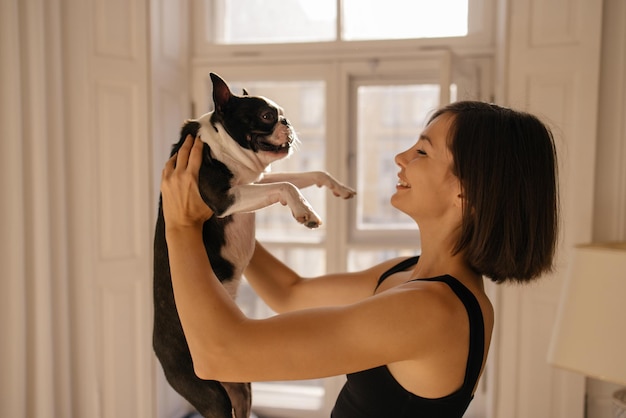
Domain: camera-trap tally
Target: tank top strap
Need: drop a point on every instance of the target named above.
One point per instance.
(476, 352)
(401, 266)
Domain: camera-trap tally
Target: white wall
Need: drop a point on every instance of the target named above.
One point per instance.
(610, 179)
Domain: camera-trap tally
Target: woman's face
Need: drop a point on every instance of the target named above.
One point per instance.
(427, 189)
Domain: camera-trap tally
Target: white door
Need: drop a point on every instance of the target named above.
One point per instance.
(552, 58)
(108, 160)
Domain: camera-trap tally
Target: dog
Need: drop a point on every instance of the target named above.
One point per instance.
(242, 136)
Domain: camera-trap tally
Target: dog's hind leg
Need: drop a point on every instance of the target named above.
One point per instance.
(240, 397)
(208, 397)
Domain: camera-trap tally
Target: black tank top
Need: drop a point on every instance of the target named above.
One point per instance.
(375, 393)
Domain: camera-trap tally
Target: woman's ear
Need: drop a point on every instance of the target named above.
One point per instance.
(459, 201)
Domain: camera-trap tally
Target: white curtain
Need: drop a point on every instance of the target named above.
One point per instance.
(34, 301)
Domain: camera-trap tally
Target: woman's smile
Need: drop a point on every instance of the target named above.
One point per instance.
(401, 184)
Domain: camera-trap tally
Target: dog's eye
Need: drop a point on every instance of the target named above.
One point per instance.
(268, 116)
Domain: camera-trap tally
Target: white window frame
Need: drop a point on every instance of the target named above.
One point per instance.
(343, 66)
(480, 37)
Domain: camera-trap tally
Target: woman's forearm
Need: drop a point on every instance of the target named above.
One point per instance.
(272, 280)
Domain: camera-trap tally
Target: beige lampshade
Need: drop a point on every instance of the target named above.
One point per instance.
(590, 330)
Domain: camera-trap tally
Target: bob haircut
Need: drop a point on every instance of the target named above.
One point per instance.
(507, 166)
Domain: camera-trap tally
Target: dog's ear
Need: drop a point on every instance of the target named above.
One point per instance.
(245, 92)
(221, 92)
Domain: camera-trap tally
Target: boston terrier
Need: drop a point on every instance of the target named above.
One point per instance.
(242, 136)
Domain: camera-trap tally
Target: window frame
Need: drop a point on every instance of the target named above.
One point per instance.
(480, 38)
(344, 65)
(341, 238)
(434, 67)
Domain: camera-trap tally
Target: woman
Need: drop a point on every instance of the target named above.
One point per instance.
(411, 334)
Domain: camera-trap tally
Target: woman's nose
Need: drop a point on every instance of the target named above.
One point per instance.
(400, 158)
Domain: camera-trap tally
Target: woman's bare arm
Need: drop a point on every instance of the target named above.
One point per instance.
(400, 324)
(285, 290)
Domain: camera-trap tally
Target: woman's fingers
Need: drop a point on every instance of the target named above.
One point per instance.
(182, 203)
(195, 157)
(169, 167)
(181, 159)
(182, 156)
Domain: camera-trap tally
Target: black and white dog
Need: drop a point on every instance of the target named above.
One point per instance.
(242, 137)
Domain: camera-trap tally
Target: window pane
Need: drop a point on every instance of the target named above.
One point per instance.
(398, 19)
(304, 104)
(274, 21)
(309, 262)
(389, 120)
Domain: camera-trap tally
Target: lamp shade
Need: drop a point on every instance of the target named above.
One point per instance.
(590, 331)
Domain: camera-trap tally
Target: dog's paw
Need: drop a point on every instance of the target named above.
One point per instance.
(336, 187)
(342, 191)
(312, 224)
(308, 218)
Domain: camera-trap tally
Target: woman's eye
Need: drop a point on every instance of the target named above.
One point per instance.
(421, 152)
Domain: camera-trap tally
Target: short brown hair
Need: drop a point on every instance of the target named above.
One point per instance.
(507, 166)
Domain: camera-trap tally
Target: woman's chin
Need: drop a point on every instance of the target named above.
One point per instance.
(395, 202)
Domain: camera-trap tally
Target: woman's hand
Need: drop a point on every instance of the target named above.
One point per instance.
(182, 204)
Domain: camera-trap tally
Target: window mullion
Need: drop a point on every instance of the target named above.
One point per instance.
(339, 28)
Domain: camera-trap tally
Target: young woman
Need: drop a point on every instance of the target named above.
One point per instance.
(411, 334)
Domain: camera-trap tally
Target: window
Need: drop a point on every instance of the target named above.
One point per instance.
(238, 22)
(287, 21)
(356, 99)
(388, 118)
(401, 19)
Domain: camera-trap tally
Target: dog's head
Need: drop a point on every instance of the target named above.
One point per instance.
(256, 123)
(243, 136)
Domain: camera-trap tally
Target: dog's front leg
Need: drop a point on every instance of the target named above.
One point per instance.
(310, 178)
(251, 197)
